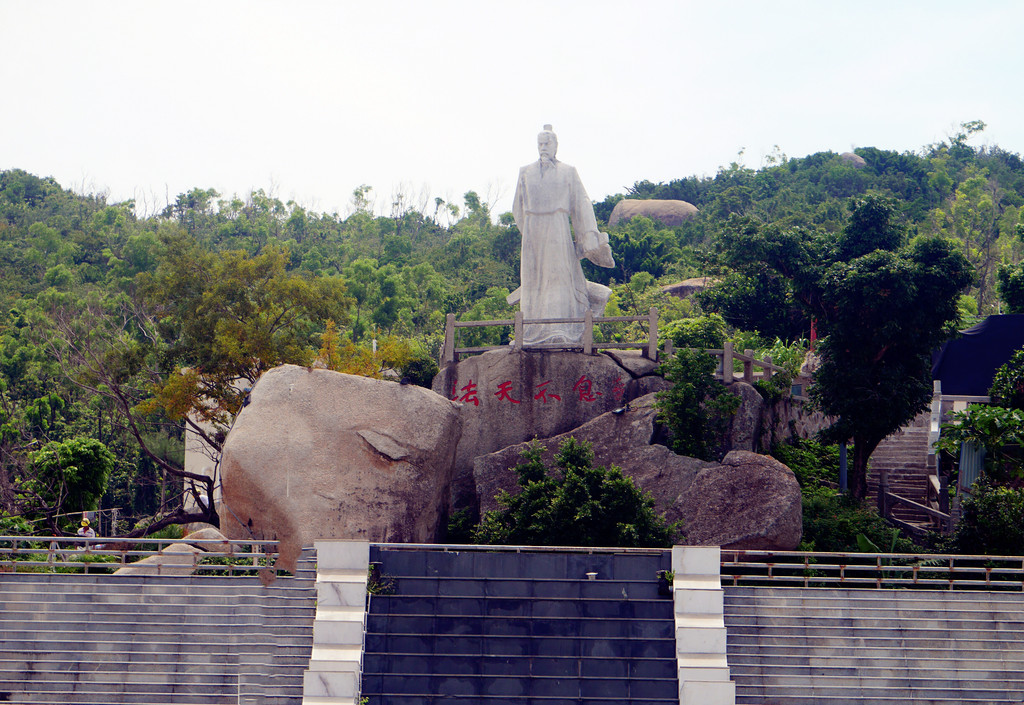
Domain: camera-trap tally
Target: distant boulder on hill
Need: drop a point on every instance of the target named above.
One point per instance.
(854, 160)
(688, 287)
(669, 213)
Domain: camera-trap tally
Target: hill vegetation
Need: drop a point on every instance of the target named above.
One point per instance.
(118, 331)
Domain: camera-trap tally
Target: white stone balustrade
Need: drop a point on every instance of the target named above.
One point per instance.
(335, 666)
(700, 627)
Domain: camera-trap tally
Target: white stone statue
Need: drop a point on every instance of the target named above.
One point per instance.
(549, 196)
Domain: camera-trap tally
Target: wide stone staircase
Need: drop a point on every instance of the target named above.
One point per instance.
(67, 638)
(815, 646)
(544, 628)
(904, 456)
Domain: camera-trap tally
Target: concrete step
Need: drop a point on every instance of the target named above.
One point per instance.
(863, 689)
(157, 621)
(119, 646)
(15, 662)
(755, 695)
(857, 629)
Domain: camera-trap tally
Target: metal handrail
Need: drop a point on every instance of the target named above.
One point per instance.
(23, 554)
(494, 548)
(872, 570)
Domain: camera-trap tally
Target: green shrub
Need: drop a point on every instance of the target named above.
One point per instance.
(999, 429)
(696, 410)
(1008, 383)
(833, 521)
(577, 505)
(815, 465)
(702, 332)
(992, 522)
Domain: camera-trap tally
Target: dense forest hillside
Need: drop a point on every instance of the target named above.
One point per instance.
(115, 328)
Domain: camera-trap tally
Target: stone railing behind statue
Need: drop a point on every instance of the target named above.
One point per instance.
(753, 369)
(451, 353)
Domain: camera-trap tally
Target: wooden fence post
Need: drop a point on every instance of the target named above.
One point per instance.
(588, 332)
(448, 356)
(517, 331)
(727, 362)
(652, 341)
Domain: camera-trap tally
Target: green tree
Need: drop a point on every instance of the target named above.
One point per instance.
(697, 408)
(70, 476)
(882, 305)
(182, 351)
(885, 312)
(575, 505)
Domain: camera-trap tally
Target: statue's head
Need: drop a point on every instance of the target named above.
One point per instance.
(547, 144)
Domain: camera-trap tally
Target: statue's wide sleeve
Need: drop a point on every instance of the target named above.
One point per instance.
(591, 243)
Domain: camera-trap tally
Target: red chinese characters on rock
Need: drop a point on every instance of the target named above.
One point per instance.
(470, 396)
(618, 389)
(504, 392)
(544, 395)
(585, 388)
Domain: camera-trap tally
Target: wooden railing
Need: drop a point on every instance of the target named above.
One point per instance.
(753, 369)
(48, 554)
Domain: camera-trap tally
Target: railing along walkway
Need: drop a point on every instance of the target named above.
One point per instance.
(872, 570)
(728, 357)
(48, 554)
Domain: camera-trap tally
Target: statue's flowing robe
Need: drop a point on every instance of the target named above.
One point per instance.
(551, 278)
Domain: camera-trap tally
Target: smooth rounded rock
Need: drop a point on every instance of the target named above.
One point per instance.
(667, 212)
(319, 454)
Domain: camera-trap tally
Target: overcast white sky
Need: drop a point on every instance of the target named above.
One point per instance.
(310, 99)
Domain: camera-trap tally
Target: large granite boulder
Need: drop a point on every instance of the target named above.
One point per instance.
(320, 454)
(508, 396)
(745, 425)
(748, 501)
(670, 213)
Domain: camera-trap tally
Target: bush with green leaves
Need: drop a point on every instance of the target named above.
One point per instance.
(998, 429)
(1008, 383)
(71, 476)
(992, 522)
(697, 408)
(702, 332)
(815, 464)
(833, 522)
(575, 505)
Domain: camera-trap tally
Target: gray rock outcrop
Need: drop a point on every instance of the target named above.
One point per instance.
(748, 501)
(320, 454)
(689, 287)
(745, 425)
(667, 212)
(617, 439)
(854, 160)
(508, 397)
